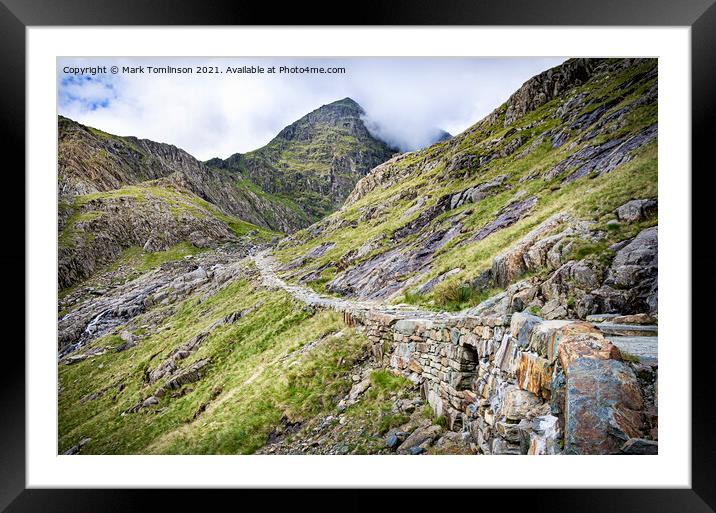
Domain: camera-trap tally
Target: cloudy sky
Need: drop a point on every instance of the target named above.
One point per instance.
(216, 115)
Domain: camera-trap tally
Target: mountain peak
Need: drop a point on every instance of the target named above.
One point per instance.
(316, 160)
(345, 102)
(343, 115)
(344, 108)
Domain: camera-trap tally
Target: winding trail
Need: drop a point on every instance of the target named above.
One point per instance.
(266, 265)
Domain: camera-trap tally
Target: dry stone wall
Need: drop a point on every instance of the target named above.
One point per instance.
(516, 384)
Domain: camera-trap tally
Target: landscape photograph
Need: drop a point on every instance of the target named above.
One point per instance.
(357, 256)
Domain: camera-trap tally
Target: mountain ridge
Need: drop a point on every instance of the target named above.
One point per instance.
(315, 160)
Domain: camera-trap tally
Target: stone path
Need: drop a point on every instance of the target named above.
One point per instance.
(628, 330)
(638, 340)
(266, 265)
(646, 348)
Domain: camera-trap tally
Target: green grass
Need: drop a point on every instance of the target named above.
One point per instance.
(440, 421)
(453, 295)
(251, 365)
(319, 285)
(535, 310)
(628, 357)
(374, 408)
(141, 261)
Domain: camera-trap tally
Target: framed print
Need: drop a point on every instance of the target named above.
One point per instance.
(437, 248)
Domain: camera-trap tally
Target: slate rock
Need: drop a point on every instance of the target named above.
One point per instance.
(603, 406)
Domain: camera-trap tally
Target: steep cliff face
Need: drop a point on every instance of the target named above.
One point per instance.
(537, 189)
(92, 161)
(316, 161)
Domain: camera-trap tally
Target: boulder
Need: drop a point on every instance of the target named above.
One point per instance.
(582, 340)
(528, 253)
(632, 279)
(419, 437)
(636, 210)
(394, 440)
(358, 389)
(603, 406)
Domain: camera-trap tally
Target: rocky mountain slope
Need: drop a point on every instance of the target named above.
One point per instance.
(316, 161)
(558, 185)
(117, 195)
(495, 293)
(91, 161)
(126, 192)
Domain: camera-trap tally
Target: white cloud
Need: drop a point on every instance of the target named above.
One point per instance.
(210, 115)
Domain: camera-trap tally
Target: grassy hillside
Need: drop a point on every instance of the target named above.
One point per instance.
(238, 400)
(93, 161)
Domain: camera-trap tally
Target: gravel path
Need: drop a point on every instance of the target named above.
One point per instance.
(266, 265)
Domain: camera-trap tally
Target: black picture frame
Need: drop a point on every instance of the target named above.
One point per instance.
(17, 15)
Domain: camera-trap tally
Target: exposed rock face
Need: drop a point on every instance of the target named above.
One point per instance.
(531, 252)
(382, 176)
(579, 288)
(106, 226)
(631, 284)
(91, 161)
(316, 160)
(378, 277)
(506, 217)
(92, 317)
(603, 158)
(547, 85)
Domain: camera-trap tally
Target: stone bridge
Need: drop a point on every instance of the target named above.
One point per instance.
(517, 384)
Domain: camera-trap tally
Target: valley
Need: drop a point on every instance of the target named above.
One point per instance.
(493, 293)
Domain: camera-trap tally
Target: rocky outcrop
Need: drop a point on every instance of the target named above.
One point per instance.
(381, 176)
(637, 210)
(380, 277)
(580, 288)
(96, 311)
(547, 85)
(101, 228)
(601, 159)
(631, 283)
